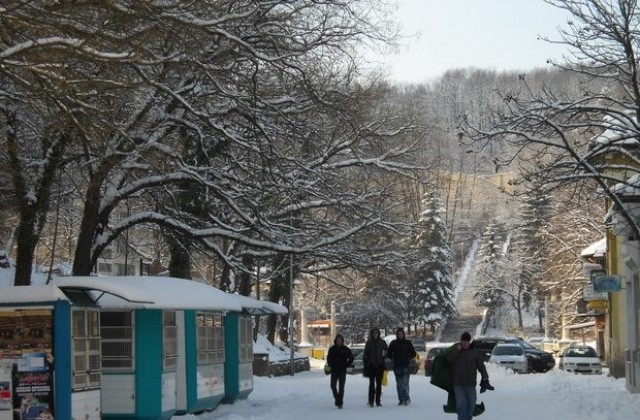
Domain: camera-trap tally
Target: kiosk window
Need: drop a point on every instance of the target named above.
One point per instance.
(210, 340)
(246, 339)
(86, 348)
(116, 329)
(169, 340)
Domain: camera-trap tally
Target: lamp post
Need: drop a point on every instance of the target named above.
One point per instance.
(291, 314)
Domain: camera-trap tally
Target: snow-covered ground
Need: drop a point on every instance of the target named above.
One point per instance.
(555, 395)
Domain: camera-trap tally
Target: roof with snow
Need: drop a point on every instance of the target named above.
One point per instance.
(31, 294)
(596, 249)
(151, 292)
(259, 307)
(617, 134)
(631, 187)
(134, 292)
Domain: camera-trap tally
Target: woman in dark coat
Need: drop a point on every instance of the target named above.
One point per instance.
(339, 358)
(373, 358)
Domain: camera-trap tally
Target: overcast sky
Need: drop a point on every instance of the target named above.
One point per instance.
(492, 34)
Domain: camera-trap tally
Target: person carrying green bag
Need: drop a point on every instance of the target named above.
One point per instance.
(455, 370)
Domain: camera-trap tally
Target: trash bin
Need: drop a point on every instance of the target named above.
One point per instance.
(318, 353)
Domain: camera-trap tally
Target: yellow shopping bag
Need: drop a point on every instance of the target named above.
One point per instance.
(384, 378)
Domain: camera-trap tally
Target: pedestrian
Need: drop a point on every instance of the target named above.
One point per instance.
(374, 352)
(401, 352)
(465, 364)
(339, 358)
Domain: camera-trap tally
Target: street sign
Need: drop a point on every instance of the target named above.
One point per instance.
(589, 294)
(606, 283)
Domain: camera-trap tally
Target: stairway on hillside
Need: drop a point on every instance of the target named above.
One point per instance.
(469, 315)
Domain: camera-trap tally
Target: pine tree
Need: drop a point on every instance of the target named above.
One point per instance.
(489, 272)
(433, 272)
(535, 212)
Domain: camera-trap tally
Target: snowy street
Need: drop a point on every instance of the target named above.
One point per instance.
(555, 395)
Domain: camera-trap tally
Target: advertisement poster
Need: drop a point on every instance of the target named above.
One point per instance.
(6, 405)
(10, 335)
(26, 365)
(33, 387)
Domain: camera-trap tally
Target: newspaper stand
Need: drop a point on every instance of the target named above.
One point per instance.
(49, 353)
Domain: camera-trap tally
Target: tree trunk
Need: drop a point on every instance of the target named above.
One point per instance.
(82, 262)
(180, 263)
(244, 278)
(27, 240)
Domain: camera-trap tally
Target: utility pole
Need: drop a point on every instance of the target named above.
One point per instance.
(291, 314)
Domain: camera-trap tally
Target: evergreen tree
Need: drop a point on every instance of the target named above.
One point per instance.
(489, 272)
(535, 212)
(433, 272)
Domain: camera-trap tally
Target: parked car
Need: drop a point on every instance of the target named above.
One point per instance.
(580, 359)
(431, 354)
(536, 341)
(511, 356)
(540, 342)
(539, 360)
(358, 362)
(419, 344)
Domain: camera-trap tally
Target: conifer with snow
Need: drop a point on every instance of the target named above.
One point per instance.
(433, 271)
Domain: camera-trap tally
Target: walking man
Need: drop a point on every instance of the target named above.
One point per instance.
(401, 352)
(339, 358)
(373, 358)
(465, 363)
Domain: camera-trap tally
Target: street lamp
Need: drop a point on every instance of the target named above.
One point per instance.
(291, 314)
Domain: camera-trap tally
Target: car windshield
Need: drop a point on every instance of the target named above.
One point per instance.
(434, 351)
(522, 343)
(581, 352)
(507, 351)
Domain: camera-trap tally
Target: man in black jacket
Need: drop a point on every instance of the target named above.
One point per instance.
(401, 352)
(373, 358)
(339, 358)
(466, 362)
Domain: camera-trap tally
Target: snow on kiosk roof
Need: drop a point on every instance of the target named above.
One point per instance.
(30, 294)
(259, 307)
(274, 308)
(152, 292)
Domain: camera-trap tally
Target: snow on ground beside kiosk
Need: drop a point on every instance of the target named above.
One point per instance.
(551, 396)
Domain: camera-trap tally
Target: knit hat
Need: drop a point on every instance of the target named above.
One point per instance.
(465, 336)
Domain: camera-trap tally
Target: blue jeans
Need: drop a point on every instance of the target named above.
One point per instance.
(402, 382)
(465, 401)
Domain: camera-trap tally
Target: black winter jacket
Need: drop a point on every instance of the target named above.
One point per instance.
(339, 358)
(374, 351)
(465, 365)
(401, 351)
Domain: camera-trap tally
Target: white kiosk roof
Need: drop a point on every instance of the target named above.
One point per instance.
(32, 294)
(152, 292)
(138, 292)
(259, 307)
(274, 308)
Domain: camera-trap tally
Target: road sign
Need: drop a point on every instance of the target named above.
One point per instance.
(589, 294)
(606, 283)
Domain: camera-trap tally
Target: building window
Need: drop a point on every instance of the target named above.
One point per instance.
(169, 340)
(210, 339)
(124, 269)
(246, 339)
(104, 268)
(85, 336)
(116, 329)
